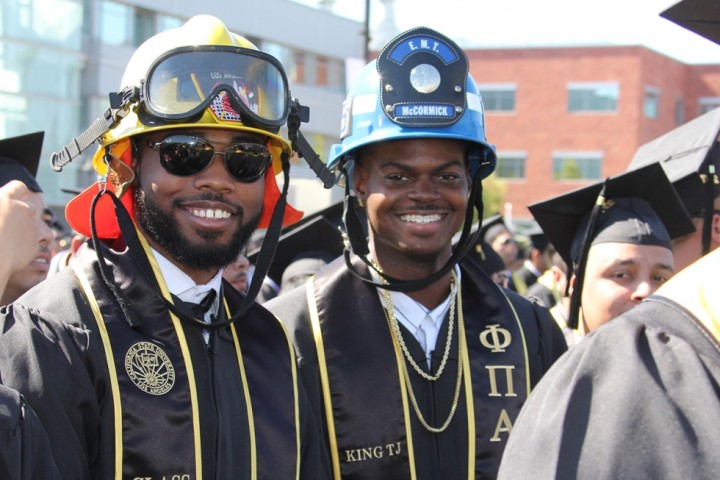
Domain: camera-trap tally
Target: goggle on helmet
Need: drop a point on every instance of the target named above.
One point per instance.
(419, 87)
(199, 75)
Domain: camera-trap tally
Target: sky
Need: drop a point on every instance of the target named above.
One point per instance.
(522, 23)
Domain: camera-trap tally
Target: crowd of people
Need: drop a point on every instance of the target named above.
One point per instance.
(386, 337)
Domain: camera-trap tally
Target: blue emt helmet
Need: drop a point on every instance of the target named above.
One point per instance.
(419, 87)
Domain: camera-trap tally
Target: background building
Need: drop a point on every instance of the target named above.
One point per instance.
(560, 117)
(568, 116)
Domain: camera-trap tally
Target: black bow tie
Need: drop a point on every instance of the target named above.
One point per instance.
(198, 309)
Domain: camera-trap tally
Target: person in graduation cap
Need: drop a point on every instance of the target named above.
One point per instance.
(637, 398)
(495, 233)
(690, 156)
(538, 256)
(140, 361)
(19, 158)
(25, 451)
(616, 238)
(491, 263)
(550, 287)
(416, 362)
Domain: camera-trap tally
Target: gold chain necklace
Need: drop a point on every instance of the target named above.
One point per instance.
(397, 335)
(395, 327)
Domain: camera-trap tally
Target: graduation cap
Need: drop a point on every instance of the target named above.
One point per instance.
(487, 258)
(639, 207)
(537, 237)
(19, 159)
(482, 253)
(699, 16)
(313, 240)
(690, 156)
(491, 227)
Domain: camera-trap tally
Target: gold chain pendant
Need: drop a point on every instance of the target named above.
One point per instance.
(395, 328)
(397, 337)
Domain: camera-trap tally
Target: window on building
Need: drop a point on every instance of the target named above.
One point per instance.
(336, 74)
(651, 102)
(679, 111)
(166, 22)
(115, 24)
(498, 97)
(143, 26)
(593, 97)
(281, 52)
(511, 165)
(297, 71)
(321, 69)
(577, 165)
(708, 103)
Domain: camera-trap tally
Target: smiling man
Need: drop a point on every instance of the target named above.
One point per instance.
(139, 359)
(616, 237)
(415, 361)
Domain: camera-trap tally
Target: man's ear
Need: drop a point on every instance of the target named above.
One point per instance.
(125, 176)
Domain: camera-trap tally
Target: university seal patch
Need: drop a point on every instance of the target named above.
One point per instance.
(150, 369)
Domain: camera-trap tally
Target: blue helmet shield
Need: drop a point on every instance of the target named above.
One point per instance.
(418, 87)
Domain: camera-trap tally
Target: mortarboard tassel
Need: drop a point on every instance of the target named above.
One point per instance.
(574, 313)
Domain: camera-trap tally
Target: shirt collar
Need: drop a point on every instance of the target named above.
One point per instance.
(412, 312)
(529, 265)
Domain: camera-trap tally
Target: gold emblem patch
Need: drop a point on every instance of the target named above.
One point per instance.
(150, 369)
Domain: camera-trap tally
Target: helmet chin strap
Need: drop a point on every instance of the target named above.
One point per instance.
(356, 240)
(130, 236)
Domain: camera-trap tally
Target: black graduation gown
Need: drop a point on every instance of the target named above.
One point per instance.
(637, 398)
(528, 278)
(24, 447)
(366, 434)
(245, 411)
(542, 294)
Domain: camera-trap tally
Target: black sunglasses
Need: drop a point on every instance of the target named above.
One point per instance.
(185, 155)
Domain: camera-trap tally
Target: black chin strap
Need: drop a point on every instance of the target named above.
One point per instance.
(129, 235)
(356, 241)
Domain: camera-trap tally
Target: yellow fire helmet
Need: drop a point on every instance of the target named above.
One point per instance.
(196, 75)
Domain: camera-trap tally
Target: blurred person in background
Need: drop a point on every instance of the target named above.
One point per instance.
(19, 158)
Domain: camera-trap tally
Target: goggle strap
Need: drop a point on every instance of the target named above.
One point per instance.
(120, 108)
(298, 114)
(302, 146)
